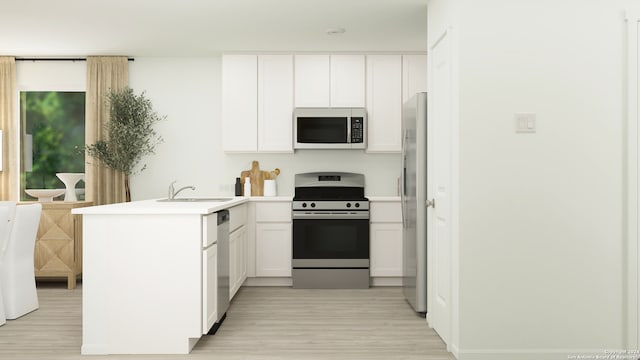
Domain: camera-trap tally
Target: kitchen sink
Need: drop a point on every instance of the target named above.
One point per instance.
(216, 199)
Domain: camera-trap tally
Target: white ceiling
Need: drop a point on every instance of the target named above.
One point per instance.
(206, 27)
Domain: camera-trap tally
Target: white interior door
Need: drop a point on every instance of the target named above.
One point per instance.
(633, 257)
(440, 166)
(636, 106)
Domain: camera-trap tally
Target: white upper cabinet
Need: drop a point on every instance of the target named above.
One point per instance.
(259, 93)
(347, 80)
(275, 103)
(384, 103)
(312, 80)
(239, 103)
(257, 103)
(329, 80)
(414, 75)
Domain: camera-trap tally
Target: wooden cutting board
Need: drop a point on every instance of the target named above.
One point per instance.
(257, 178)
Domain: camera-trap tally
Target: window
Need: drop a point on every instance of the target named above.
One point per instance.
(52, 138)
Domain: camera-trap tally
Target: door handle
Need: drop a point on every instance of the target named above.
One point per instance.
(430, 203)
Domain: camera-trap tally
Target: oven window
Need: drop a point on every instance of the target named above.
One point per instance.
(331, 239)
(322, 130)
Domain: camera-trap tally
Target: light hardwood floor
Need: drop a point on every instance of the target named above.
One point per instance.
(263, 323)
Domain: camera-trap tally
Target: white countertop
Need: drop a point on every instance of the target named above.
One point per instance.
(148, 207)
(383, 198)
(190, 207)
(271, 198)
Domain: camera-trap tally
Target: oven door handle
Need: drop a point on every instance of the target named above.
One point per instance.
(333, 215)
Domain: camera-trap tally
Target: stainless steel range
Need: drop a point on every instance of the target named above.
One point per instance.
(330, 231)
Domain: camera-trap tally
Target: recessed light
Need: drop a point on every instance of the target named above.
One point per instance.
(335, 31)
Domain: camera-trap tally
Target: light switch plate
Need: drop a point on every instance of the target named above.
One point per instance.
(525, 123)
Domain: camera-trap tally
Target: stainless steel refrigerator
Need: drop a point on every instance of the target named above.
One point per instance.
(414, 196)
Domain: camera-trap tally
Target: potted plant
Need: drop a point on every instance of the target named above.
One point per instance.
(130, 134)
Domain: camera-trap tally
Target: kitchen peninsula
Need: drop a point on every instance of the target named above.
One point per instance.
(143, 274)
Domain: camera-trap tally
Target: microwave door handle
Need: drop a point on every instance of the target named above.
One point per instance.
(348, 129)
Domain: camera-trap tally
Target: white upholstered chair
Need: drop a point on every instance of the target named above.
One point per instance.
(7, 212)
(17, 277)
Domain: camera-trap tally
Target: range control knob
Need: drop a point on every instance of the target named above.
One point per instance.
(348, 205)
(357, 204)
(313, 205)
(304, 205)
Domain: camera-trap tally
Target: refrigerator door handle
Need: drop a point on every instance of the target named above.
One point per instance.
(403, 183)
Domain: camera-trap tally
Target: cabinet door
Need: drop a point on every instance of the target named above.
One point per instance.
(386, 249)
(414, 75)
(239, 103)
(209, 287)
(273, 249)
(54, 246)
(233, 263)
(275, 103)
(312, 81)
(384, 103)
(347, 80)
(243, 254)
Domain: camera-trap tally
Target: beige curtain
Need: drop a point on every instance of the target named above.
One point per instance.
(103, 185)
(9, 175)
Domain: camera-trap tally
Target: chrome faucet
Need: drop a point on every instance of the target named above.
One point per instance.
(173, 193)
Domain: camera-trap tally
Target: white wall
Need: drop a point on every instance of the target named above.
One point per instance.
(51, 75)
(187, 91)
(541, 241)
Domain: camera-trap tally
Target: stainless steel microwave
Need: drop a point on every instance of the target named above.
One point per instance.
(329, 128)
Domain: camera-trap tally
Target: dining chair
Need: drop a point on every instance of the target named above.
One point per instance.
(17, 277)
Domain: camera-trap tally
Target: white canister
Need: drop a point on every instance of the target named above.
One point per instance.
(269, 188)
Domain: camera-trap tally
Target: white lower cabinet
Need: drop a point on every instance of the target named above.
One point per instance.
(273, 239)
(273, 249)
(237, 260)
(209, 287)
(386, 249)
(237, 248)
(386, 239)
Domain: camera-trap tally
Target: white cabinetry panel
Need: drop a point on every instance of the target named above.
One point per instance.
(386, 249)
(347, 80)
(273, 239)
(237, 247)
(275, 103)
(237, 217)
(237, 260)
(384, 103)
(414, 75)
(209, 287)
(239, 103)
(273, 249)
(273, 212)
(386, 239)
(312, 81)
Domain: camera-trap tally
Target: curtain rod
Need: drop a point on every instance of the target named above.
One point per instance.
(58, 59)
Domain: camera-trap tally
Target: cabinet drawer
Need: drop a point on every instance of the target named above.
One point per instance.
(385, 212)
(237, 216)
(273, 212)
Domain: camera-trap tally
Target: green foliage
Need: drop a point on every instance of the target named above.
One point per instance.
(130, 132)
(56, 122)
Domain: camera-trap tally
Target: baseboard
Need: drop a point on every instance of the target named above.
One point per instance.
(386, 281)
(268, 281)
(286, 281)
(539, 354)
(94, 349)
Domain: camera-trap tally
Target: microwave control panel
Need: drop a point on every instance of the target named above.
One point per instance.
(357, 130)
